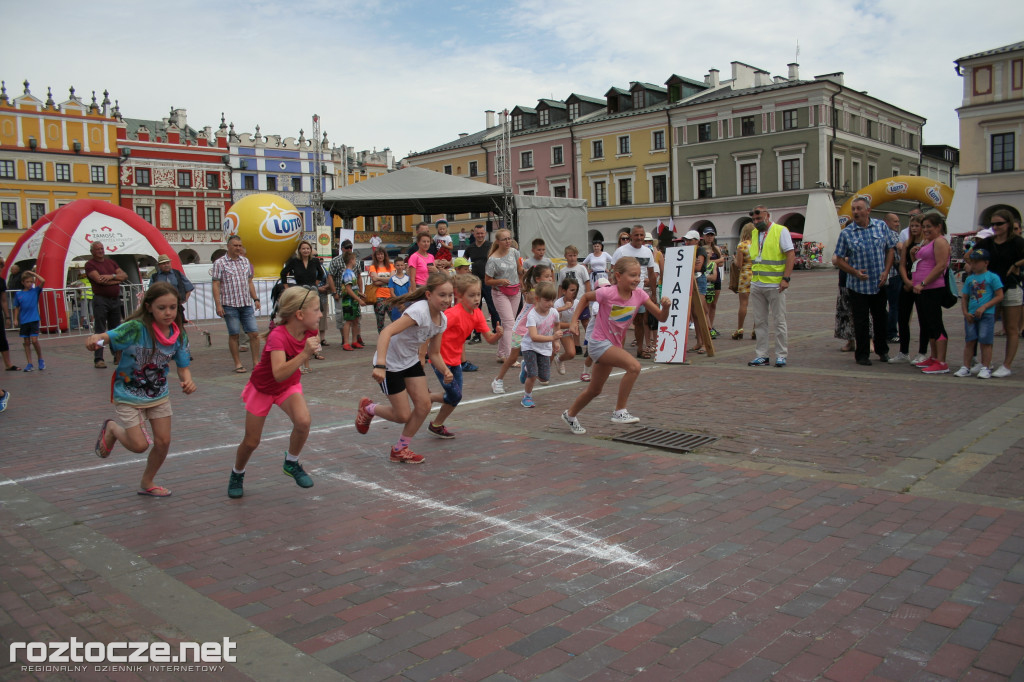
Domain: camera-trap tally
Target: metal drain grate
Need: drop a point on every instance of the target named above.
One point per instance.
(665, 439)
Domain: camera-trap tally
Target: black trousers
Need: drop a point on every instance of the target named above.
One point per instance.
(106, 313)
(486, 293)
(863, 305)
(908, 299)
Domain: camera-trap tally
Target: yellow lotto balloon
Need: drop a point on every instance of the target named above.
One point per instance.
(932, 192)
(270, 228)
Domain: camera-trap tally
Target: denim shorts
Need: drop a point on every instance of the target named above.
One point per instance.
(452, 391)
(702, 284)
(982, 330)
(243, 317)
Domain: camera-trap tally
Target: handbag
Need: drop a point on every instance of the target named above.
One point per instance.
(509, 289)
(734, 279)
(949, 297)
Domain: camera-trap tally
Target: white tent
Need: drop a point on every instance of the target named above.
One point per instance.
(413, 190)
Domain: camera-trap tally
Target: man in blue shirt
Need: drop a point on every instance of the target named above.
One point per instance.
(865, 251)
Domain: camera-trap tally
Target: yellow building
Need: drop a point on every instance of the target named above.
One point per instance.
(52, 154)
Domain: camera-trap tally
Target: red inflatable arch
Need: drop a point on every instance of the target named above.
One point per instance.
(60, 236)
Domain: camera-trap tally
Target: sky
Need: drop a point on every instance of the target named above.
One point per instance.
(410, 75)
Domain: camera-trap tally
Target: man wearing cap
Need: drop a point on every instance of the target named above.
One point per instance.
(865, 251)
(648, 280)
(476, 251)
(176, 278)
(772, 258)
(106, 278)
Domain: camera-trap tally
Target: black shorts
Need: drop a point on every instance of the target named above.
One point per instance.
(394, 382)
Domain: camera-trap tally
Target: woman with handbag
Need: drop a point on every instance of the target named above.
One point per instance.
(742, 268)
(504, 273)
(307, 271)
(379, 291)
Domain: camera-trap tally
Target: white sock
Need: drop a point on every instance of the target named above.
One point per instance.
(236, 471)
(290, 457)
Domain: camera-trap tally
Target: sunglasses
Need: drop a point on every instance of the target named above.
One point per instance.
(754, 214)
(623, 239)
(999, 223)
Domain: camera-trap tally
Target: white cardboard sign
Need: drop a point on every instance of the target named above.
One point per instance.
(676, 285)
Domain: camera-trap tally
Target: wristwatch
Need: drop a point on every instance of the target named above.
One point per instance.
(786, 279)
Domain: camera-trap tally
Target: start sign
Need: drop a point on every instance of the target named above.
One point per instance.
(676, 285)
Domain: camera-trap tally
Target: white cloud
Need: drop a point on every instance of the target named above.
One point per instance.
(411, 75)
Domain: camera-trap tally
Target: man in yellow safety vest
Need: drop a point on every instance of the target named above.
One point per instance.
(772, 256)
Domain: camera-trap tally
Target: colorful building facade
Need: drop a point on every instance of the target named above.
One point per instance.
(52, 154)
(177, 178)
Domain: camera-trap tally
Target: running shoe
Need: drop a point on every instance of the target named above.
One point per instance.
(759, 362)
(573, 424)
(1002, 371)
(936, 368)
(42, 364)
(440, 431)
(295, 470)
(527, 401)
(585, 377)
(559, 364)
(624, 417)
(468, 366)
(923, 363)
(899, 357)
(363, 418)
(780, 362)
(497, 386)
(984, 373)
(405, 456)
(962, 372)
(3, 401)
(976, 369)
(29, 368)
(919, 358)
(235, 489)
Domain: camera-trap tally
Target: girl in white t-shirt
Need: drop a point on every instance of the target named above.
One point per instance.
(397, 367)
(617, 306)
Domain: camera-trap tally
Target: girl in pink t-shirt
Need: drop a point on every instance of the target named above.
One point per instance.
(421, 263)
(617, 306)
(276, 380)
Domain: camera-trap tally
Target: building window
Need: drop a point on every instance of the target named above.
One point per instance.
(747, 126)
(560, 191)
(213, 181)
(748, 178)
(213, 219)
(9, 213)
(705, 187)
(526, 159)
(790, 174)
(837, 173)
(186, 218)
(892, 135)
(600, 195)
(296, 184)
(450, 217)
(185, 179)
(63, 172)
(789, 119)
(625, 192)
(855, 174)
(556, 156)
(1003, 147)
(7, 169)
(624, 144)
(517, 122)
(872, 173)
(544, 117)
(142, 177)
(145, 212)
(474, 215)
(597, 149)
(658, 140)
(98, 174)
(659, 189)
(703, 132)
(638, 99)
(35, 170)
(529, 193)
(869, 129)
(574, 111)
(910, 141)
(895, 171)
(249, 182)
(472, 169)
(36, 211)
(271, 183)
(448, 169)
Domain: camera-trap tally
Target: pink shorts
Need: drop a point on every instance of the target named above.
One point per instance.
(260, 403)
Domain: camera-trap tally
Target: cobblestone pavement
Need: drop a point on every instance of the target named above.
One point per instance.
(849, 523)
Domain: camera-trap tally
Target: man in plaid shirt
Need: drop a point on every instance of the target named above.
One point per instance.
(235, 296)
(865, 251)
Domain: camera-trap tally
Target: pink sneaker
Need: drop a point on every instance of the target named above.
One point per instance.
(363, 418)
(925, 362)
(936, 368)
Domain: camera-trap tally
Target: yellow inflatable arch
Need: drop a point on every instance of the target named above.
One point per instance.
(932, 192)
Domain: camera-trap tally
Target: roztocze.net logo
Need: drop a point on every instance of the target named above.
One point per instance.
(53, 656)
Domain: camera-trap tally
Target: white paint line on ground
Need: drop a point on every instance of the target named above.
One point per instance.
(567, 540)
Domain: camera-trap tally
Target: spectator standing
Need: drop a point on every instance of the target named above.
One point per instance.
(1007, 251)
(308, 271)
(892, 291)
(865, 252)
(234, 294)
(105, 277)
(176, 278)
(771, 265)
(929, 281)
(476, 251)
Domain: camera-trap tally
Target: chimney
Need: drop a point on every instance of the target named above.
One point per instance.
(462, 135)
(489, 114)
(504, 116)
(712, 78)
(180, 118)
(762, 78)
(794, 71)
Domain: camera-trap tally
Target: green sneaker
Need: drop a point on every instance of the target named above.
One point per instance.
(295, 470)
(235, 485)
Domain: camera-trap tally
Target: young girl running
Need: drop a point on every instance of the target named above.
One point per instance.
(148, 341)
(566, 306)
(617, 306)
(276, 380)
(397, 366)
(464, 318)
(538, 273)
